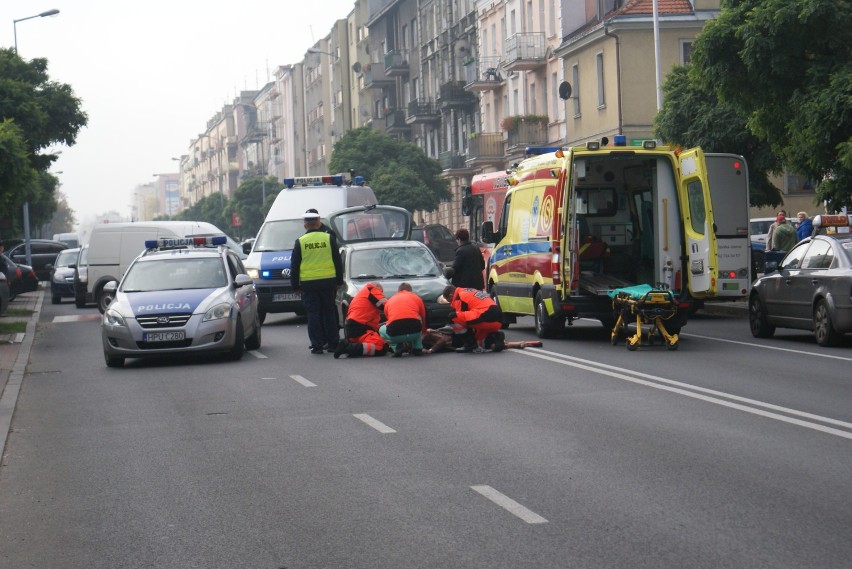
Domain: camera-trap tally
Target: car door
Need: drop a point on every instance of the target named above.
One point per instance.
(697, 214)
(806, 281)
(245, 296)
(779, 286)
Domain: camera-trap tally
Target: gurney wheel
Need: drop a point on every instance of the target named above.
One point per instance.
(631, 345)
(673, 346)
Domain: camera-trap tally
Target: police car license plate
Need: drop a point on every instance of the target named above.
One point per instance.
(164, 336)
(285, 297)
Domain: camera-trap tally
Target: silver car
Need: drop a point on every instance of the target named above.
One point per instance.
(808, 289)
(181, 296)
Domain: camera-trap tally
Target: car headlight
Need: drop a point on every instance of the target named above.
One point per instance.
(114, 317)
(217, 312)
(253, 273)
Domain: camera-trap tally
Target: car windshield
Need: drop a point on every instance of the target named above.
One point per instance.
(393, 262)
(66, 258)
(279, 235)
(174, 274)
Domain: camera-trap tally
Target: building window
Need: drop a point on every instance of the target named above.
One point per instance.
(685, 51)
(533, 102)
(599, 60)
(575, 79)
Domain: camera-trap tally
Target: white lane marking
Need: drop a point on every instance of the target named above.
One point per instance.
(303, 381)
(378, 425)
(780, 349)
(508, 504)
(77, 318)
(683, 387)
(257, 354)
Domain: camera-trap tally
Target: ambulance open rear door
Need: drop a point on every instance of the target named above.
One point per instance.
(697, 214)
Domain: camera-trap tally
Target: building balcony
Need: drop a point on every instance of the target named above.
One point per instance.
(396, 63)
(422, 111)
(526, 134)
(486, 148)
(453, 95)
(395, 121)
(374, 76)
(453, 162)
(524, 52)
(484, 75)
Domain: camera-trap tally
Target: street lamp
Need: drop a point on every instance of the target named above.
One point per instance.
(27, 241)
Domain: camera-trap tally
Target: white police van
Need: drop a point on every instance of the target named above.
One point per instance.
(181, 295)
(268, 262)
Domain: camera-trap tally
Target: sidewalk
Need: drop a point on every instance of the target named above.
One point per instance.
(14, 356)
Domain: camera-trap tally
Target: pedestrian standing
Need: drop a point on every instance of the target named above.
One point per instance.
(806, 225)
(784, 236)
(406, 321)
(316, 271)
(469, 264)
(361, 327)
(772, 229)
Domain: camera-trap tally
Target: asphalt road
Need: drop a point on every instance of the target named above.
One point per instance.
(728, 452)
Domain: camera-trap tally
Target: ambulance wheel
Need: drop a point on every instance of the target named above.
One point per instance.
(545, 326)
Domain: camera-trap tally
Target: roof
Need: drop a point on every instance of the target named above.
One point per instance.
(636, 7)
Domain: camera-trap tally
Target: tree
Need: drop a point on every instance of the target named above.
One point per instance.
(63, 220)
(41, 113)
(248, 202)
(399, 172)
(786, 65)
(693, 116)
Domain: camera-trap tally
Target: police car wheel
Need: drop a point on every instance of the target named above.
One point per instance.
(253, 341)
(261, 314)
(239, 348)
(113, 361)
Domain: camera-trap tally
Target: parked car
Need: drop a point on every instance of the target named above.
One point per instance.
(758, 228)
(43, 252)
(371, 254)
(62, 275)
(82, 296)
(4, 293)
(21, 278)
(181, 296)
(808, 290)
(439, 239)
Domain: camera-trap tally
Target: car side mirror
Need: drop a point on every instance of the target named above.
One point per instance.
(110, 288)
(488, 234)
(48, 267)
(247, 248)
(242, 280)
(449, 272)
(770, 267)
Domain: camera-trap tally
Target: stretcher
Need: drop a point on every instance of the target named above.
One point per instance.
(645, 305)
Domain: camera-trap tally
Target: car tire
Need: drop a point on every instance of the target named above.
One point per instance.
(760, 326)
(113, 361)
(546, 326)
(261, 315)
(103, 300)
(236, 353)
(824, 331)
(253, 341)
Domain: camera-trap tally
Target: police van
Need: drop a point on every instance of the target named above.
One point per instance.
(268, 262)
(580, 222)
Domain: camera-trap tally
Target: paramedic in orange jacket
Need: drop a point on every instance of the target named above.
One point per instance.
(475, 311)
(361, 328)
(406, 321)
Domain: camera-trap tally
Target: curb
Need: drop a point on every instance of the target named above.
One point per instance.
(9, 396)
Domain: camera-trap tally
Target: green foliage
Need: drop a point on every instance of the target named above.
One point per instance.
(786, 66)
(35, 113)
(399, 172)
(692, 116)
(512, 123)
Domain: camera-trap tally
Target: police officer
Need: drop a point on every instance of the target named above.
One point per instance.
(316, 271)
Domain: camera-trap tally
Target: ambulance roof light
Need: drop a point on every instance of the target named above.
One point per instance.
(619, 140)
(538, 150)
(593, 145)
(649, 144)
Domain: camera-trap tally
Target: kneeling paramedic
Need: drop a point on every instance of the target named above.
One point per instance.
(406, 321)
(361, 328)
(475, 312)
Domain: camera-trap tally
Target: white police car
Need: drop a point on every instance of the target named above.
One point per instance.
(185, 295)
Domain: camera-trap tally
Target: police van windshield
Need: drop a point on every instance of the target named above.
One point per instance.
(279, 235)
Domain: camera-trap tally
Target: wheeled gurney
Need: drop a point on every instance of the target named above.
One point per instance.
(648, 305)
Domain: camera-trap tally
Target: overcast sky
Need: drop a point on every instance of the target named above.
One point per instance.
(150, 75)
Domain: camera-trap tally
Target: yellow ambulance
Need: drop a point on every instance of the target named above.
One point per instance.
(580, 222)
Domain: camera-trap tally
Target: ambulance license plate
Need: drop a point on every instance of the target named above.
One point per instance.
(164, 336)
(285, 297)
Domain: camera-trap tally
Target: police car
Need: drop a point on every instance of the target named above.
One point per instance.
(181, 295)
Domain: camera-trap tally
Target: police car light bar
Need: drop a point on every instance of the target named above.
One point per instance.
(174, 242)
(336, 180)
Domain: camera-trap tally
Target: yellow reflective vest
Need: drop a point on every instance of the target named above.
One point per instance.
(317, 260)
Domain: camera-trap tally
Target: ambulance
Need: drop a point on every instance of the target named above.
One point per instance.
(580, 222)
(268, 262)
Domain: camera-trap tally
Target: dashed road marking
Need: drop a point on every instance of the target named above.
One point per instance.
(510, 505)
(303, 381)
(77, 318)
(257, 354)
(378, 425)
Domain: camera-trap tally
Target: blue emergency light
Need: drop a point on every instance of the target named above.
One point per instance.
(619, 140)
(539, 150)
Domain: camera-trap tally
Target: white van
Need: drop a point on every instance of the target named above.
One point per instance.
(70, 239)
(269, 261)
(112, 246)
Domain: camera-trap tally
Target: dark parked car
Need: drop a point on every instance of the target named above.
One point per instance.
(439, 239)
(4, 293)
(81, 279)
(21, 278)
(62, 275)
(43, 252)
(808, 289)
